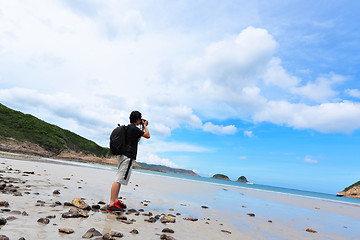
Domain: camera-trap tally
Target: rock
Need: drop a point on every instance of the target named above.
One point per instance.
(43, 220)
(226, 231)
(3, 237)
(15, 212)
(66, 230)
(66, 178)
(56, 192)
(79, 203)
(107, 236)
(22, 238)
(75, 213)
(150, 220)
(205, 207)
(127, 221)
(270, 221)
(167, 219)
(3, 221)
(167, 230)
(311, 230)
(92, 232)
(68, 204)
(251, 214)
(101, 202)
(11, 218)
(116, 234)
(191, 219)
(134, 231)
(166, 237)
(95, 207)
(121, 218)
(4, 204)
(130, 211)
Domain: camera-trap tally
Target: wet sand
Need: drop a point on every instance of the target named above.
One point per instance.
(222, 212)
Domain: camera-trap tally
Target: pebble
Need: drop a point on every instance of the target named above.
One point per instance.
(134, 231)
(191, 219)
(56, 192)
(311, 230)
(43, 220)
(166, 237)
(4, 204)
(79, 203)
(92, 232)
(66, 230)
(251, 214)
(3, 221)
(226, 231)
(167, 230)
(3, 237)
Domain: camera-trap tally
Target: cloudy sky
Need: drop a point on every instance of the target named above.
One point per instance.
(265, 89)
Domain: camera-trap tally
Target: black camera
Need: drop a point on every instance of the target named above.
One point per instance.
(143, 122)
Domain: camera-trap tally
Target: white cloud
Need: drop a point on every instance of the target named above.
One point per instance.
(353, 92)
(243, 157)
(154, 159)
(276, 75)
(309, 160)
(328, 117)
(249, 134)
(321, 90)
(216, 129)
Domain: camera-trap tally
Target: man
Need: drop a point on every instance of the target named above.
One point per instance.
(125, 162)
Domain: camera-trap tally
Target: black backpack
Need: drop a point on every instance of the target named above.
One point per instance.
(118, 140)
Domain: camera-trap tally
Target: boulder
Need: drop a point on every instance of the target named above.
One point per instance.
(221, 177)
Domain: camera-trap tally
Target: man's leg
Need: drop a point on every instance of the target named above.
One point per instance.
(115, 189)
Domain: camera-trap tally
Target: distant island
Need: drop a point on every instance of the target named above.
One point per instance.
(353, 191)
(221, 177)
(26, 134)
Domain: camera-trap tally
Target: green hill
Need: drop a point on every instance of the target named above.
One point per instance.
(27, 128)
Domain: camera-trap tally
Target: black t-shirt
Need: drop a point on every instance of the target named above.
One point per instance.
(133, 134)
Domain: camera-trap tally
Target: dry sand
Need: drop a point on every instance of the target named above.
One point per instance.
(277, 216)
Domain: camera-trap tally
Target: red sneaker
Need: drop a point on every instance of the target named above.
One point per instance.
(121, 204)
(115, 208)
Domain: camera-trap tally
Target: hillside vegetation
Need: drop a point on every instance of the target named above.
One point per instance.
(27, 128)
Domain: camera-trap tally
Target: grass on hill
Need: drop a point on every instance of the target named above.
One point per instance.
(25, 127)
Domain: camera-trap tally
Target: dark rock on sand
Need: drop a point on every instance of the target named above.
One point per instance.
(116, 234)
(56, 192)
(205, 207)
(75, 213)
(167, 230)
(226, 231)
(92, 232)
(66, 230)
(166, 237)
(68, 204)
(101, 202)
(191, 219)
(95, 207)
(150, 220)
(134, 231)
(43, 220)
(3, 221)
(251, 214)
(3, 237)
(4, 204)
(121, 218)
(11, 218)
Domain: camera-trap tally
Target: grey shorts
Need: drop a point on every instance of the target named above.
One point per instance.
(123, 167)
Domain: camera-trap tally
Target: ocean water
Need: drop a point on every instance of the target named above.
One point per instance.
(258, 187)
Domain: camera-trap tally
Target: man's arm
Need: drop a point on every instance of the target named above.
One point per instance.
(146, 133)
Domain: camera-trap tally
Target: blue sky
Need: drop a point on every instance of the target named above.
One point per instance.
(265, 89)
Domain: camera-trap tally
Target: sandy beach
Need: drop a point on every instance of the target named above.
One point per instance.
(35, 188)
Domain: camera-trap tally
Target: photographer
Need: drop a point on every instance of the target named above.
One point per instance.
(125, 162)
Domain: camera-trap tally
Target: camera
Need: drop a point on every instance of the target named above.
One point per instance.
(143, 122)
